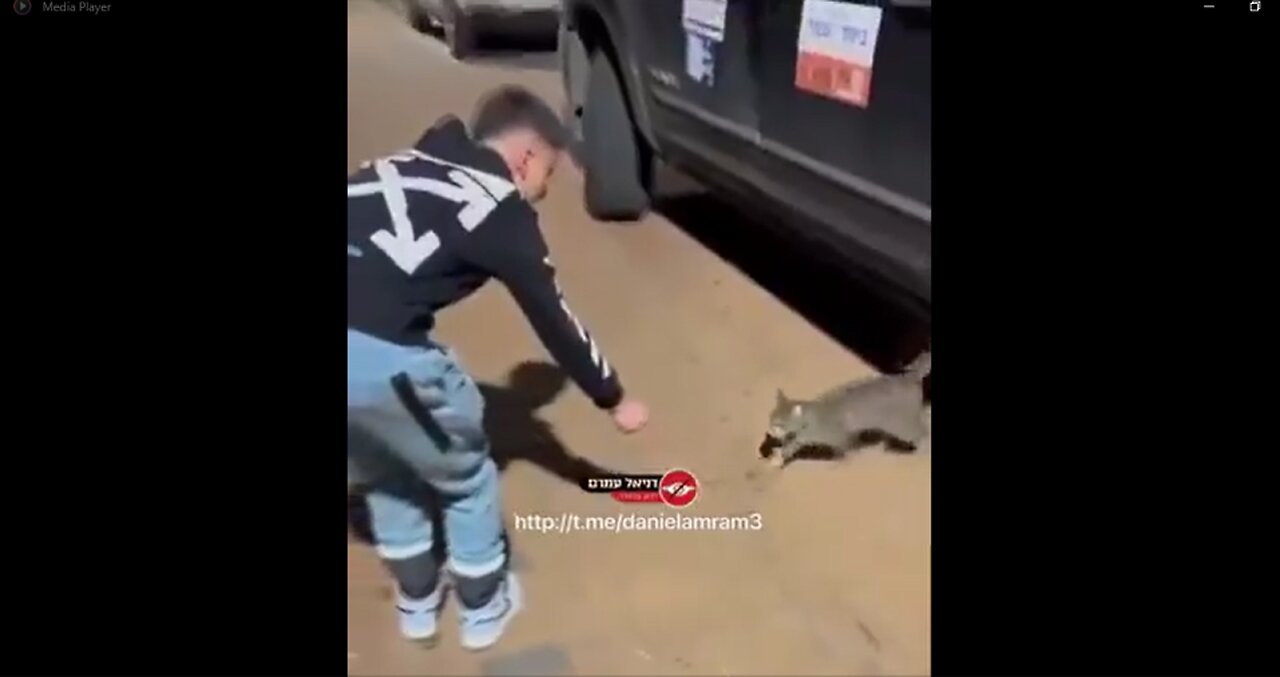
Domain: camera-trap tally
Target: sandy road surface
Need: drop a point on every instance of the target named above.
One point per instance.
(837, 579)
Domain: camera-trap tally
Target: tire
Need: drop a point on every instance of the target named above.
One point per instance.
(613, 156)
(459, 32)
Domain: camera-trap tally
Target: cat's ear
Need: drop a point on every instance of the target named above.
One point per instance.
(782, 398)
(796, 410)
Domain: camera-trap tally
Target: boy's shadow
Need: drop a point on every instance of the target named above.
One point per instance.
(515, 433)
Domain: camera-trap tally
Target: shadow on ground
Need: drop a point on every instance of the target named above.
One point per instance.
(855, 310)
(860, 313)
(516, 433)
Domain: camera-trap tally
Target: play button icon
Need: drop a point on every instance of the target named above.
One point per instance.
(22, 7)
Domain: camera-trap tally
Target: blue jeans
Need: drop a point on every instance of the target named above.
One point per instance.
(406, 466)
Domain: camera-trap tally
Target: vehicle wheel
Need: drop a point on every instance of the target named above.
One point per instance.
(612, 155)
(459, 33)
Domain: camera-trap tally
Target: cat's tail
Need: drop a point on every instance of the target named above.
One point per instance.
(920, 367)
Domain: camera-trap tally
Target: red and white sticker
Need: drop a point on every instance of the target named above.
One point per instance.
(836, 50)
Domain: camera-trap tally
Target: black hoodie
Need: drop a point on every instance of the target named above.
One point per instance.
(429, 226)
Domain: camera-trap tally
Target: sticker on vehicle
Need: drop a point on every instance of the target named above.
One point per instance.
(836, 49)
(700, 59)
(704, 18)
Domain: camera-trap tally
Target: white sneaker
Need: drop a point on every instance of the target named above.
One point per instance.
(483, 627)
(419, 618)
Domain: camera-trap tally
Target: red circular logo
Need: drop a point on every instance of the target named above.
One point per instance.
(678, 488)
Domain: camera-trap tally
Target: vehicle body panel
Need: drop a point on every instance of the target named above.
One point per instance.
(856, 179)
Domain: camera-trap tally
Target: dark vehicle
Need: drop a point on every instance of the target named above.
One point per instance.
(818, 111)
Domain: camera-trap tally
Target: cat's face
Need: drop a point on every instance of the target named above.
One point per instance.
(787, 418)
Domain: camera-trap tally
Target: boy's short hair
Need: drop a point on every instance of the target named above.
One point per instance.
(513, 107)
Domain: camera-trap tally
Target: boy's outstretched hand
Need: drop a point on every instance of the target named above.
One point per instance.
(630, 415)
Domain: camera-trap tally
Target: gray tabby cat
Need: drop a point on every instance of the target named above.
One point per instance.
(838, 420)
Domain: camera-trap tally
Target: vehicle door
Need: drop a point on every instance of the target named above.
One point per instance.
(699, 59)
(857, 98)
(845, 116)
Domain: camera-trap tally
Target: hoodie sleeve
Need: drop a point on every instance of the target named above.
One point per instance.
(512, 250)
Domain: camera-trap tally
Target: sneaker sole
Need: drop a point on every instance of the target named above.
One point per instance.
(515, 595)
(422, 639)
(428, 642)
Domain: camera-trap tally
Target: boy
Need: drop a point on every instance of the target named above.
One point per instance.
(425, 229)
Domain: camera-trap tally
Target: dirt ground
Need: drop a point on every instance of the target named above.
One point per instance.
(837, 579)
